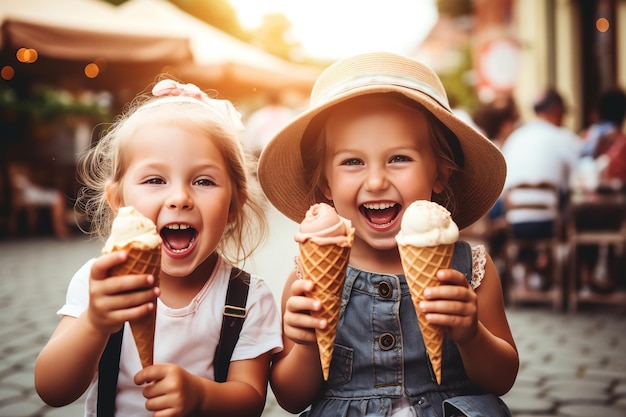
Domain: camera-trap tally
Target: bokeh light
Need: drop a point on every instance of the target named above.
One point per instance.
(7, 72)
(27, 55)
(602, 24)
(92, 70)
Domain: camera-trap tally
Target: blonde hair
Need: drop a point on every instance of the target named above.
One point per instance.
(446, 146)
(106, 163)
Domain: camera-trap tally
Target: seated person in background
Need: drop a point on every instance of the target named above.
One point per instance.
(605, 141)
(609, 138)
(496, 119)
(610, 112)
(263, 123)
(539, 151)
(614, 174)
(25, 193)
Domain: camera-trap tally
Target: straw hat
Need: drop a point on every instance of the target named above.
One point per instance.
(281, 170)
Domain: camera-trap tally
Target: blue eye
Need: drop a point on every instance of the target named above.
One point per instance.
(399, 158)
(352, 161)
(204, 182)
(154, 180)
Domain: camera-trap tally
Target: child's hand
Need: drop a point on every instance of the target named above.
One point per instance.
(169, 390)
(114, 300)
(298, 324)
(452, 305)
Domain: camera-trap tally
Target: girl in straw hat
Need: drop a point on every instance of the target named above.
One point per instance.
(379, 134)
(177, 160)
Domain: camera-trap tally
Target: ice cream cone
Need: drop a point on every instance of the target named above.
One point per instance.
(326, 266)
(142, 261)
(420, 265)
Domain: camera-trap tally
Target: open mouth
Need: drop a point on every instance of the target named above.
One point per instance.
(380, 214)
(178, 238)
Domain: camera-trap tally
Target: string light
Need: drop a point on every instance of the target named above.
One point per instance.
(27, 55)
(92, 70)
(602, 24)
(7, 72)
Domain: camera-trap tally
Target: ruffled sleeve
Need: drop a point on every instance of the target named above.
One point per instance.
(479, 259)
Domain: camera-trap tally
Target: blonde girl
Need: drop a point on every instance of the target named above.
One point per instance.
(176, 158)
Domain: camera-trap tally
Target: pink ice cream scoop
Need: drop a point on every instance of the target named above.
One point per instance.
(322, 225)
(325, 240)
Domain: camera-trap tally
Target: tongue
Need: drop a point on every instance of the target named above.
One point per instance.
(178, 239)
(381, 216)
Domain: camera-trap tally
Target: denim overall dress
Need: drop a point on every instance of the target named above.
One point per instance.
(379, 355)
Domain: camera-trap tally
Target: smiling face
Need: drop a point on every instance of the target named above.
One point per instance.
(177, 177)
(378, 160)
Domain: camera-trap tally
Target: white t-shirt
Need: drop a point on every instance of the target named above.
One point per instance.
(537, 152)
(185, 336)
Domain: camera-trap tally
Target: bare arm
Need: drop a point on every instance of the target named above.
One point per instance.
(490, 357)
(67, 364)
(476, 321)
(296, 374)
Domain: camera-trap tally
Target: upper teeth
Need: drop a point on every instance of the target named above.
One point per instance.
(177, 226)
(378, 206)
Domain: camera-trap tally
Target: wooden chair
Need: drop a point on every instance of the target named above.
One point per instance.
(596, 219)
(18, 205)
(516, 290)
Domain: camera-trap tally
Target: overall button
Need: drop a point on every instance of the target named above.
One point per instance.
(386, 341)
(384, 290)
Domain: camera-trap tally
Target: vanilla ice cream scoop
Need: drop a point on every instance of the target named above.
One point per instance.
(426, 245)
(137, 235)
(132, 227)
(426, 223)
(322, 225)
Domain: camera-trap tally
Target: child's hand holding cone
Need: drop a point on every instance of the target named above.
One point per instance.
(325, 240)
(426, 243)
(137, 235)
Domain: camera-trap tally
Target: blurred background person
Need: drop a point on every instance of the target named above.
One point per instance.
(539, 151)
(605, 140)
(263, 123)
(609, 115)
(602, 167)
(496, 119)
(29, 197)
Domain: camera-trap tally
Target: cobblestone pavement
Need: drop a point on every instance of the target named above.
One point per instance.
(572, 365)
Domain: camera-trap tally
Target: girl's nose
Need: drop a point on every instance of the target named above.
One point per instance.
(179, 199)
(376, 179)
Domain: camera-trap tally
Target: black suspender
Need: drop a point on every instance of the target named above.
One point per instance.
(234, 314)
(108, 370)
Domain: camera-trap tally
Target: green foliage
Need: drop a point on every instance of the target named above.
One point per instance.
(459, 84)
(273, 36)
(47, 103)
(218, 13)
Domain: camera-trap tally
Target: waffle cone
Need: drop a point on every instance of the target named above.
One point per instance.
(141, 261)
(326, 266)
(420, 265)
